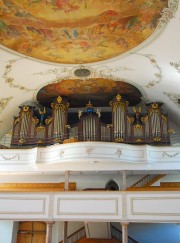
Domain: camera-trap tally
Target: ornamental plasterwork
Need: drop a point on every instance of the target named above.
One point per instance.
(157, 74)
(176, 65)
(69, 73)
(170, 155)
(61, 153)
(118, 152)
(168, 13)
(10, 158)
(4, 102)
(174, 97)
(89, 149)
(9, 80)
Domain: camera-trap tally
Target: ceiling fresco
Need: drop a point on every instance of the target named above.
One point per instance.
(77, 31)
(98, 90)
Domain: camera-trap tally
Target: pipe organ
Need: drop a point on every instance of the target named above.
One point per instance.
(38, 127)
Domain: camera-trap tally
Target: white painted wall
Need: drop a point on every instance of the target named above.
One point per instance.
(175, 137)
(72, 227)
(14, 231)
(171, 178)
(6, 229)
(155, 233)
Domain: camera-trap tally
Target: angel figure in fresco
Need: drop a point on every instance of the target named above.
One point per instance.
(65, 6)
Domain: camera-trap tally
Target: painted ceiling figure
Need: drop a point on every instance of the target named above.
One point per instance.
(65, 5)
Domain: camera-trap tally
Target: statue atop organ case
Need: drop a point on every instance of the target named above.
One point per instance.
(49, 126)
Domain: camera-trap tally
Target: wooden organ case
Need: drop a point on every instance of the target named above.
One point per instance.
(24, 127)
(149, 127)
(57, 129)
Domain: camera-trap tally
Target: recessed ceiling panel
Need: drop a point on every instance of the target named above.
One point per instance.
(77, 31)
(98, 90)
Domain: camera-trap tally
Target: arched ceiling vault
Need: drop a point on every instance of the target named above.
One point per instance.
(121, 44)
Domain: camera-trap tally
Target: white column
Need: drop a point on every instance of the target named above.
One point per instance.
(65, 232)
(124, 185)
(66, 184)
(49, 226)
(124, 232)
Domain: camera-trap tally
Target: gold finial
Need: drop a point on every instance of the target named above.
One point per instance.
(59, 99)
(25, 108)
(154, 105)
(118, 97)
(42, 112)
(89, 105)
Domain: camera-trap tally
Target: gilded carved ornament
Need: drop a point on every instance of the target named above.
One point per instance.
(35, 121)
(155, 105)
(130, 119)
(59, 99)
(25, 108)
(144, 119)
(164, 118)
(157, 139)
(48, 120)
(40, 128)
(138, 127)
(119, 139)
(151, 111)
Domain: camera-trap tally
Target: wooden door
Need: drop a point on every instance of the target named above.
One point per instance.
(31, 232)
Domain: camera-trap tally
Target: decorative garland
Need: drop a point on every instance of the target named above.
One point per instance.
(10, 158)
(176, 65)
(157, 74)
(168, 13)
(170, 156)
(4, 102)
(89, 149)
(174, 97)
(118, 152)
(9, 80)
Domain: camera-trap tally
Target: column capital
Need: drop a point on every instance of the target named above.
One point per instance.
(124, 223)
(49, 222)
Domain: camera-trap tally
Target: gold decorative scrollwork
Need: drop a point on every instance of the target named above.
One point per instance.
(119, 140)
(137, 127)
(153, 110)
(22, 140)
(16, 121)
(164, 118)
(40, 128)
(35, 121)
(119, 104)
(171, 130)
(157, 139)
(144, 119)
(57, 140)
(130, 119)
(48, 120)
